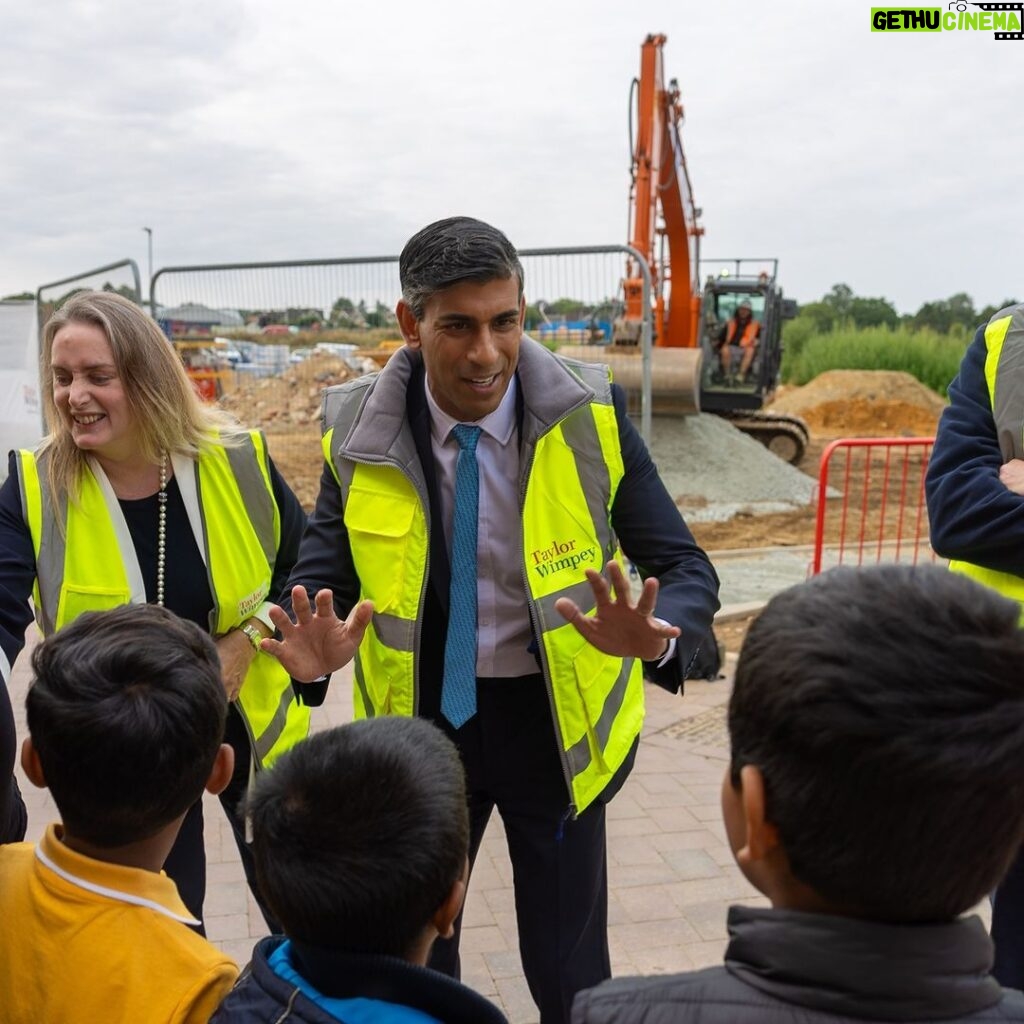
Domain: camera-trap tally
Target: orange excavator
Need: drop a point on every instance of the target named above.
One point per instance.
(705, 356)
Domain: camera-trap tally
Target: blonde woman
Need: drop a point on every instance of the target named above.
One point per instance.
(140, 493)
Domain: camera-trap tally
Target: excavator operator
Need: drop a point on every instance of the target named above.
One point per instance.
(740, 333)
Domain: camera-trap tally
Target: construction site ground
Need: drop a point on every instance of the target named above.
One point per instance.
(671, 874)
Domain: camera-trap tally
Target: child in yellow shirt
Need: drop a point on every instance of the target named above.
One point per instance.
(126, 715)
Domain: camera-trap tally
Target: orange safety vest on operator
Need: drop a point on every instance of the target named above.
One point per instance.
(749, 336)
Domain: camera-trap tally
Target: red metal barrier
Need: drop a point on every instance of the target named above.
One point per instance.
(880, 514)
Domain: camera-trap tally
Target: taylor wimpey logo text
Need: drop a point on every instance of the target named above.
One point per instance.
(562, 554)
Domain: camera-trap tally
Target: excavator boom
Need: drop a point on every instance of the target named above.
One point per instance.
(691, 329)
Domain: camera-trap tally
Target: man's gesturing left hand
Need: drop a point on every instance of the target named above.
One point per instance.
(618, 626)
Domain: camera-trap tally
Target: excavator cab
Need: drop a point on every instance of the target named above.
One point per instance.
(732, 327)
(741, 335)
(740, 363)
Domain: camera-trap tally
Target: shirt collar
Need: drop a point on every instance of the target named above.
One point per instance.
(498, 424)
(114, 881)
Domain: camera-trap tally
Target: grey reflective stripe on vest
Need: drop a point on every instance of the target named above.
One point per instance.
(339, 413)
(397, 633)
(52, 549)
(264, 743)
(582, 593)
(259, 501)
(580, 433)
(360, 679)
(579, 752)
(1008, 401)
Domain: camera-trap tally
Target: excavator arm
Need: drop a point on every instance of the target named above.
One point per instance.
(662, 211)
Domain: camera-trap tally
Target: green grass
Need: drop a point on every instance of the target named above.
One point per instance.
(930, 357)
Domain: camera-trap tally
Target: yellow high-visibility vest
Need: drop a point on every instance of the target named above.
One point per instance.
(575, 469)
(1004, 343)
(91, 565)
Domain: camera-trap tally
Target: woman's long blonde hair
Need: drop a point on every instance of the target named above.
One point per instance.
(165, 408)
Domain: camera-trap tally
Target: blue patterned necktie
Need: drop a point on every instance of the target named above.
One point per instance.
(458, 691)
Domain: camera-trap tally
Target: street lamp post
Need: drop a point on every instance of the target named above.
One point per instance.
(149, 268)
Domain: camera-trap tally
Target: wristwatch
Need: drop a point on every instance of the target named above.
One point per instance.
(254, 635)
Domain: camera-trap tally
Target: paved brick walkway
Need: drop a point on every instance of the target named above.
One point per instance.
(671, 873)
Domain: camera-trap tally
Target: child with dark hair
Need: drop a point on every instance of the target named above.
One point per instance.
(875, 793)
(360, 837)
(126, 716)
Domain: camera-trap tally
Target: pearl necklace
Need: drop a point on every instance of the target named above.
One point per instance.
(161, 532)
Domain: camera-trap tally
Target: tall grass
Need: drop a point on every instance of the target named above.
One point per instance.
(931, 357)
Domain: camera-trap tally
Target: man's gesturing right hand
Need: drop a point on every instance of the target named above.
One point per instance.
(317, 642)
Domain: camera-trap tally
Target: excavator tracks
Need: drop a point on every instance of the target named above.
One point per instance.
(784, 436)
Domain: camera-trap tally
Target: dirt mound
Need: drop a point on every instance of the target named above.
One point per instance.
(293, 398)
(864, 403)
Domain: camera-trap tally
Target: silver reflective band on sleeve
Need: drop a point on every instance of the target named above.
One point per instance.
(579, 752)
(394, 632)
(5, 667)
(264, 743)
(259, 501)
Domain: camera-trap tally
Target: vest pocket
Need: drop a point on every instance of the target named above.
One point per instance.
(380, 529)
(78, 598)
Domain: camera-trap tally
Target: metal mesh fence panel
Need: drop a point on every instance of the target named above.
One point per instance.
(122, 277)
(264, 339)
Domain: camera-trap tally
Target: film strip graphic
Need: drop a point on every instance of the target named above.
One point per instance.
(1018, 7)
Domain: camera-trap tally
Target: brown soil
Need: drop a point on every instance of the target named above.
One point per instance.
(858, 403)
(840, 403)
(287, 409)
(292, 400)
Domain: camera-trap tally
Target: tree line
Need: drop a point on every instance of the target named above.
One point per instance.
(841, 307)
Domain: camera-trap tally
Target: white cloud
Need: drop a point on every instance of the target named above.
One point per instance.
(253, 129)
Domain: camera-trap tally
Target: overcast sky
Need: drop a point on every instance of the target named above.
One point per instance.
(259, 129)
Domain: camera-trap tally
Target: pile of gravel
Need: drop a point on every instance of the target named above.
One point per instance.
(714, 471)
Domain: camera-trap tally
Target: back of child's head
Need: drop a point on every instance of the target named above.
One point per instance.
(126, 712)
(884, 708)
(360, 833)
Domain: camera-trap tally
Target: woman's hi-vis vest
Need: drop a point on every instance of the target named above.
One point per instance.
(92, 565)
(1004, 374)
(575, 469)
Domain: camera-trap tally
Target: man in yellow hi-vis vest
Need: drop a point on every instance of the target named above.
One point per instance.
(975, 489)
(474, 491)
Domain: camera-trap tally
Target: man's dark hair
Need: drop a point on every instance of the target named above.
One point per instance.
(359, 834)
(450, 251)
(885, 710)
(126, 711)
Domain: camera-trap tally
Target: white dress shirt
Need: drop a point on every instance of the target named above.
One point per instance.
(503, 619)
